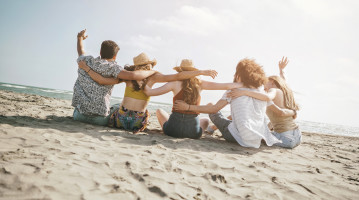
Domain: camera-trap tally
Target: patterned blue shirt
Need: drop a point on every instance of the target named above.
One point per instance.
(89, 97)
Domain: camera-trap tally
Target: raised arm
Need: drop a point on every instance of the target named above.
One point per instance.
(282, 64)
(80, 46)
(283, 112)
(208, 85)
(209, 108)
(135, 75)
(268, 96)
(158, 78)
(98, 78)
(159, 91)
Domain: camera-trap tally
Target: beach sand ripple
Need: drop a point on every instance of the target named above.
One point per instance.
(44, 154)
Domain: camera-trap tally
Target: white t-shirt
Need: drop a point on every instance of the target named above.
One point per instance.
(249, 124)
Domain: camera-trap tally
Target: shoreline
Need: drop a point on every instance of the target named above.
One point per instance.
(46, 154)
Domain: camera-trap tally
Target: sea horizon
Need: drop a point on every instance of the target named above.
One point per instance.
(305, 125)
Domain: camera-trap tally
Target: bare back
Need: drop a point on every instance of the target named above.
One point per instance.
(132, 103)
(279, 98)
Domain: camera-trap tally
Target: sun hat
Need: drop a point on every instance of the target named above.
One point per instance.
(143, 59)
(186, 65)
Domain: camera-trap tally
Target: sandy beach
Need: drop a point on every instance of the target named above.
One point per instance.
(44, 154)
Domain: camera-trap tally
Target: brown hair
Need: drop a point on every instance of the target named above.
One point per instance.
(289, 101)
(136, 85)
(191, 90)
(109, 49)
(251, 74)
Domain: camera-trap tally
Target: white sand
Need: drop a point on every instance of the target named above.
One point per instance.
(44, 154)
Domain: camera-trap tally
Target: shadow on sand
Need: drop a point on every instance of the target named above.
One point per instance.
(148, 138)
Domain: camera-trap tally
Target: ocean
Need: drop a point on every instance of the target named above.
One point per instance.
(305, 126)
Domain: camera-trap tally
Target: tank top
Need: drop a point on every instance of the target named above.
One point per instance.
(281, 124)
(179, 96)
(140, 95)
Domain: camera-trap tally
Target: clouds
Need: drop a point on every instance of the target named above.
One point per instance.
(200, 21)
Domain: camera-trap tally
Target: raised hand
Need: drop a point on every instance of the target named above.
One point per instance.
(283, 63)
(180, 105)
(211, 73)
(81, 35)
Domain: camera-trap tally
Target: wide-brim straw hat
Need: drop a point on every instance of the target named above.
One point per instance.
(186, 65)
(143, 59)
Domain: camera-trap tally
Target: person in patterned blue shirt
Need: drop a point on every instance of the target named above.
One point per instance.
(91, 101)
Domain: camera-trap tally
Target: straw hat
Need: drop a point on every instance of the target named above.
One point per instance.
(143, 59)
(186, 65)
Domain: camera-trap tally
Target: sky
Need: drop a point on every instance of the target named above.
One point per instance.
(319, 37)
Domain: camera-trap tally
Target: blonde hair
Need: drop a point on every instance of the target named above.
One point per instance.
(191, 90)
(136, 85)
(289, 101)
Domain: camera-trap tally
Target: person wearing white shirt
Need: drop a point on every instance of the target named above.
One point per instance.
(248, 126)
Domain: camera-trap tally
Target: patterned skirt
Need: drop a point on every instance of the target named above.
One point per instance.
(129, 120)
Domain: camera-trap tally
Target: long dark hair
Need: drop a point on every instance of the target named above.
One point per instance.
(191, 90)
(136, 85)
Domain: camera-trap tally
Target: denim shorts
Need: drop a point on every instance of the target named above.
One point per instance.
(290, 139)
(183, 126)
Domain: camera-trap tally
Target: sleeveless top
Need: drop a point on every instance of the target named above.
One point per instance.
(281, 124)
(179, 96)
(140, 95)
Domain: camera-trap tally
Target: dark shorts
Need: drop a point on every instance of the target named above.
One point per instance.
(183, 126)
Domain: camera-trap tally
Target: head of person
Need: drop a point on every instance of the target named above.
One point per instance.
(141, 62)
(109, 49)
(190, 87)
(279, 83)
(250, 74)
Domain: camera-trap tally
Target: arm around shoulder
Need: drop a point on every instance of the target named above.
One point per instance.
(135, 75)
(282, 112)
(209, 108)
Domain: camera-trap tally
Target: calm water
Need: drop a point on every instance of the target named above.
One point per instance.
(305, 126)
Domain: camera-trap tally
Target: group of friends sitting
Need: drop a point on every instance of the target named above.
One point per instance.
(251, 96)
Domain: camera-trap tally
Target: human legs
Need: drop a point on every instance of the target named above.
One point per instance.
(212, 128)
(290, 139)
(97, 120)
(162, 116)
(222, 124)
(94, 119)
(204, 122)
